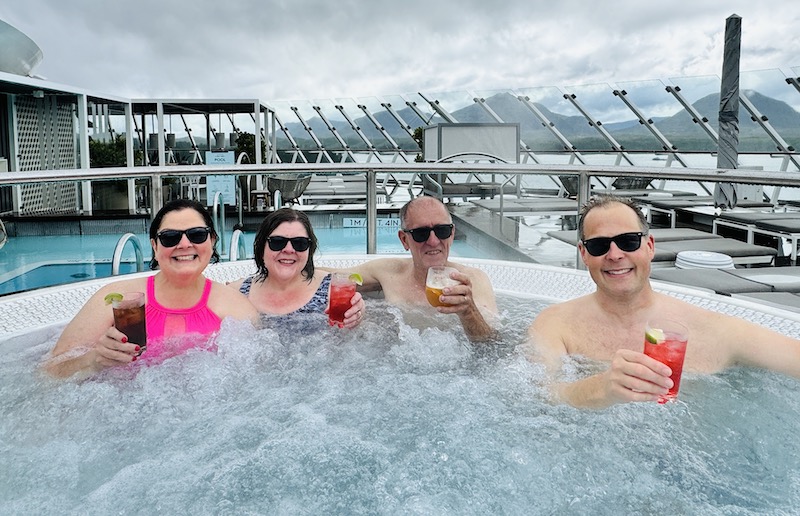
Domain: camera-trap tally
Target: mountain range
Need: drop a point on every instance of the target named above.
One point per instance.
(679, 129)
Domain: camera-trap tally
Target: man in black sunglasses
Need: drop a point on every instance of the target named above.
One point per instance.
(428, 232)
(609, 323)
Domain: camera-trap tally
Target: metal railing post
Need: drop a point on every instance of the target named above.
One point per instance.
(372, 213)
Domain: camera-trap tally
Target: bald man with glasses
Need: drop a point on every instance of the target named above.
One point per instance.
(609, 324)
(427, 232)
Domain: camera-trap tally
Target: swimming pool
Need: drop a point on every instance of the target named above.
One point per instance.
(391, 418)
(32, 262)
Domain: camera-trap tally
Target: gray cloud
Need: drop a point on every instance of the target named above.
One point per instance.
(272, 49)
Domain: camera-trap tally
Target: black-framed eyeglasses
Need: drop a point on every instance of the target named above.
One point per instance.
(299, 244)
(627, 242)
(172, 237)
(442, 231)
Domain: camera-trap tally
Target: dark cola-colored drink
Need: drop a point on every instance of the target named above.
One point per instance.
(129, 318)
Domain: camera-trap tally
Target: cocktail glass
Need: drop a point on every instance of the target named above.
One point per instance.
(665, 340)
(343, 288)
(438, 278)
(129, 318)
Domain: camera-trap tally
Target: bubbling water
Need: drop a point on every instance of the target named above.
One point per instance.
(392, 417)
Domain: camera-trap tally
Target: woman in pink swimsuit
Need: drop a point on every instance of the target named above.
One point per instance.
(179, 299)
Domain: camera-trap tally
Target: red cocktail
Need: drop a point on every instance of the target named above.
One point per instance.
(666, 342)
(342, 291)
(129, 318)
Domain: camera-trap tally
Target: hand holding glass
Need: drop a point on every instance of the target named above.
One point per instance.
(438, 278)
(665, 340)
(343, 288)
(129, 318)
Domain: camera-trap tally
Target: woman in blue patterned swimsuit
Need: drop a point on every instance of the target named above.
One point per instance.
(286, 285)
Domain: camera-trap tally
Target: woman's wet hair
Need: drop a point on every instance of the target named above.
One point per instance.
(270, 224)
(602, 201)
(177, 205)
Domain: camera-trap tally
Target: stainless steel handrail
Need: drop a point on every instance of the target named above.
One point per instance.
(238, 249)
(584, 172)
(137, 249)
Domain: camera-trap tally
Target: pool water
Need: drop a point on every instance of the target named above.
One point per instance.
(393, 417)
(36, 261)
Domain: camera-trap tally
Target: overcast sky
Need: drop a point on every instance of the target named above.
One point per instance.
(312, 49)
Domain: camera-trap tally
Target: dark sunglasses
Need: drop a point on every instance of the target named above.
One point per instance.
(299, 244)
(627, 242)
(442, 231)
(172, 237)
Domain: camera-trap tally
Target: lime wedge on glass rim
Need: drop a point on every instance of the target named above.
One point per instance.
(356, 278)
(654, 335)
(112, 297)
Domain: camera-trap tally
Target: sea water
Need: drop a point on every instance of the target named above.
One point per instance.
(401, 415)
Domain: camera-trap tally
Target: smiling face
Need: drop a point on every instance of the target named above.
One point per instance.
(426, 212)
(617, 272)
(186, 258)
(287, 263)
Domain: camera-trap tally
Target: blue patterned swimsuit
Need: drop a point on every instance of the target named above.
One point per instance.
(310, 311)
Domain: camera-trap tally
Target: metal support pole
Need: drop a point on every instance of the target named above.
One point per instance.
(372, 213)
(584, 191)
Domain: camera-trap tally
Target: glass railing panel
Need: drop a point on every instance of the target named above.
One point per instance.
(510, 109)
(392, 127)
(603, 106)
(775, 99)
(409, 115)
(704, 92)
(337, 120)
(305, 109)
(668, 115)
(290, 121)
(460, 105)
(565, 118)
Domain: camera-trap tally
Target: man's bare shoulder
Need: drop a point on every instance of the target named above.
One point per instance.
(468, 270)
(564, 311)
(380, 266)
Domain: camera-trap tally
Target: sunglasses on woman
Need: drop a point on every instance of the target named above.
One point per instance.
(172, 237)
(442, 231)
(299, 244)
(627, 242)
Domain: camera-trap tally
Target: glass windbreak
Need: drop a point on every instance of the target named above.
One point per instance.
(599, 101)
(460, 105)
(412, 109)
(565, 117)
(305, 109)
(704, 93)
(340, 125)
(548, 110)
(668, 115)
(511, 109)
(769, 93)
(292, 125)
(401, 136)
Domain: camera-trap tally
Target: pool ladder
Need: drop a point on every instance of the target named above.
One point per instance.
(137, 248)
(237, 251)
